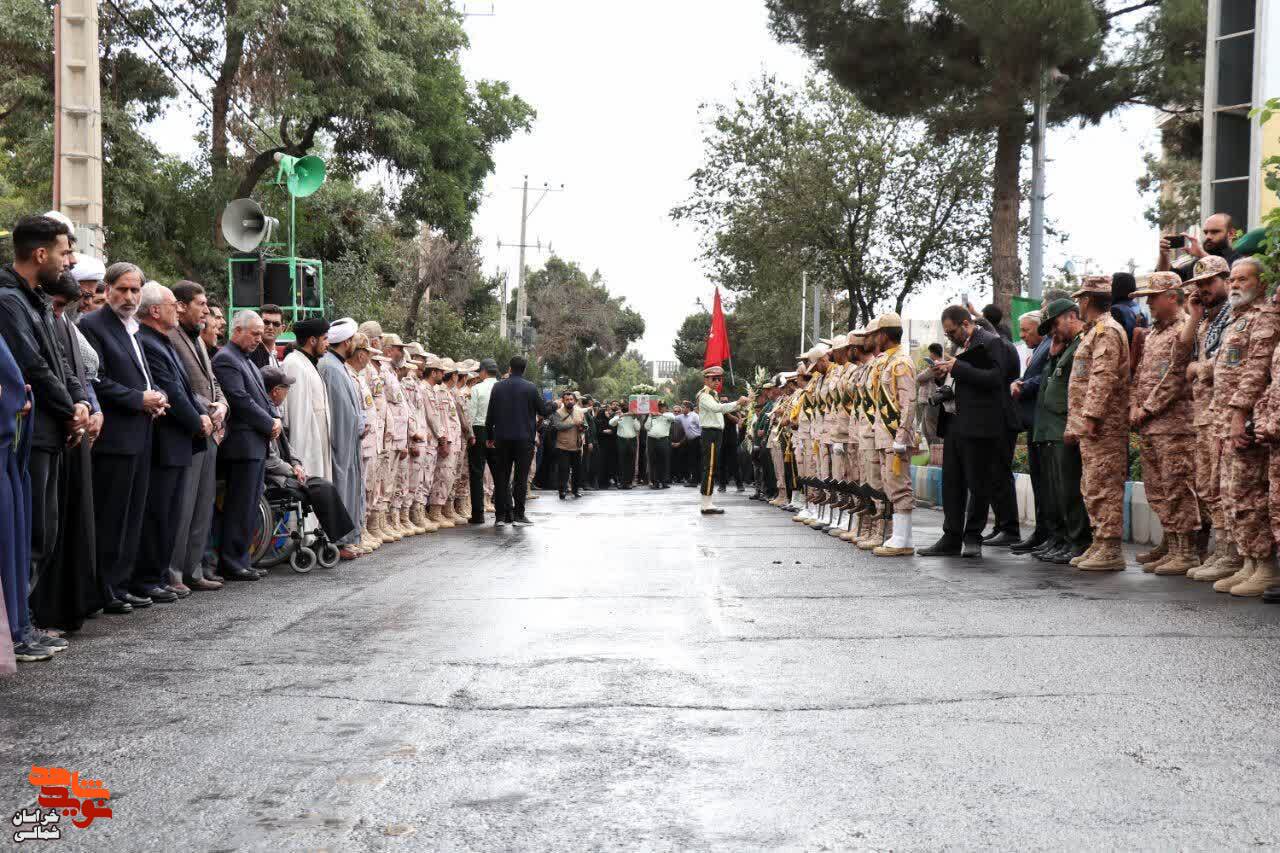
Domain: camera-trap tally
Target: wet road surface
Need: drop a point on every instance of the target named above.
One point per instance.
(627, 674)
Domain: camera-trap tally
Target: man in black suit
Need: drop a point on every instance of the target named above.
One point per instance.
(974, 427)
(252, 424)
(175, 440)
(514, 407)
(130, 403)
(42, 252)
(1004, 496)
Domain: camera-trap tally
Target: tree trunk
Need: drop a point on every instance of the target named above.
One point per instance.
(231, 59)
(1006, 268)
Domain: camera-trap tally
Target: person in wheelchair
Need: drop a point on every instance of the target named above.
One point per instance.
(289, 488)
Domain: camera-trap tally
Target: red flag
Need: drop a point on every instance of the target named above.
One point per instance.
(718, 340)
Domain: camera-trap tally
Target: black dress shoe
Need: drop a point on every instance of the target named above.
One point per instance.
(944, 547)
(1271, 594)
(240, 575)
(135, 600)
(1067, 554)
(1047, 546)
(715, 510)
(971, 550)
(474, 520)
(1026, 546)
(161, 595)
(1045, 555)
(992, 535)
(522, 521)
(117, 606)
(1003, 540)
(562, 496)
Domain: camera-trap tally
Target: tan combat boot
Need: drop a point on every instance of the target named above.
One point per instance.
(370, 528)
(393, 523)
(1156, 554)
(462, 514)
(409, 528)
(368, 541)
(418, 515)
(1088, 552)
(1107, 558)
(438, 518)
(1243, 574)
(1183, 560)
(1227, 563)
(415, 519)
(866, 532)
(875, 535)
(389, 527)
(1264, 575)
(1210, 561)
(1171, 545)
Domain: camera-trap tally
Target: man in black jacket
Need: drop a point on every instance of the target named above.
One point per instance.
(42, 252)
(514, 408)
(974, 429)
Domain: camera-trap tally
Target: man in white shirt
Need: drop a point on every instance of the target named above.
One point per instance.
(478, 455)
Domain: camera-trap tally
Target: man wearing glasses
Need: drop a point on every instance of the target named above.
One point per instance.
(272, 326)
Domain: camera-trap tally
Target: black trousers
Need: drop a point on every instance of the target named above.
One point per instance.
(1035, 465)
(1049, 519)
(730, 467)
(120, 497)
(1067, 471)
(165, 489)
(1003, 498)
(244, 484)
(45, 467)
(659, 461)
(712, 439)
(511, 480)
(968, 466)
(586, 466)
(626, 461)
(605, 459)
(568, 466)
(692, 458)
(477, 460)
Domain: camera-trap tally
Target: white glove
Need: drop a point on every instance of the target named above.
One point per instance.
(837, 448)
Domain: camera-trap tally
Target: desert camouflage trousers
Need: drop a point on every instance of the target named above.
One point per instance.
(1105, 466)
(1167, 477)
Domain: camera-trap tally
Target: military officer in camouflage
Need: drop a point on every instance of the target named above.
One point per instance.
(895, 437)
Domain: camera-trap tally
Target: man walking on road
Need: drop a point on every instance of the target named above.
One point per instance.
(514, 407)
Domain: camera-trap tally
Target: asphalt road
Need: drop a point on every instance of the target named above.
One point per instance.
(628, 674)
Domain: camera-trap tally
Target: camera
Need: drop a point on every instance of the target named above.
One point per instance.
(944, 394)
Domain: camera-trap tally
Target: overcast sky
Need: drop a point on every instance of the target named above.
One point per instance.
(618, 89)
(618, 124)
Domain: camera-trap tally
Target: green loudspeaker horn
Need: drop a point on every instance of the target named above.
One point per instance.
(302, 175)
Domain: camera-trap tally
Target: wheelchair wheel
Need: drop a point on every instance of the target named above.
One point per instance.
(303, 560)
(327, 555)
(283, 541)
(261, 542)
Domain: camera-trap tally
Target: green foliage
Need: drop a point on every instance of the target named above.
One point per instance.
(872, 208)
(625, 374)
(1270, 254)
(582, 330)
(974, 66)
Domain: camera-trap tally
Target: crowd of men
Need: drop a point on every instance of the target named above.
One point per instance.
(1196, 378)
(136, 444)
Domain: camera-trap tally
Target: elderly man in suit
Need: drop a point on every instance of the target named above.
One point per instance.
(177, 438)
(195, 516)
(130, 402)
(251, 426)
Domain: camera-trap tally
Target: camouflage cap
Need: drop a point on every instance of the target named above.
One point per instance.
(1160, 282)
(888, 321)
(1208, 267)
(1093, 284)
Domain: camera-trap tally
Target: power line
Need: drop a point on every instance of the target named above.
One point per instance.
(124, 19)
(209, 73)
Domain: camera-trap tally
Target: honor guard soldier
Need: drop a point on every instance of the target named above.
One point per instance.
(895, 438)
(711, 412)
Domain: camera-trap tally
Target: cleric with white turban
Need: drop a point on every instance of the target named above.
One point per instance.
(346, 423)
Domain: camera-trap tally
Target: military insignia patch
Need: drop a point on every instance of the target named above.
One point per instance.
(1242, 325)
(1232, 356)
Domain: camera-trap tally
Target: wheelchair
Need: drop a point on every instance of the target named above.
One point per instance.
(279, 533)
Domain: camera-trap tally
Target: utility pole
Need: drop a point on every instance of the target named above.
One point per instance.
(817, 311)
(502, 309)
(1037, 189)
(804, 294)
(77, 127)
(522, 297)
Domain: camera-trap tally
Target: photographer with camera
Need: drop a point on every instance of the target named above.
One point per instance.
(1219, 233)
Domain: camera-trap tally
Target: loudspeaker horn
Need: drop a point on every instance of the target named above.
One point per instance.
(245, 226)
(303, 175)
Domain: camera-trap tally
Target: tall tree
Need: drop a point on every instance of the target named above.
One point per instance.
(970, 66)
(870, 207)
